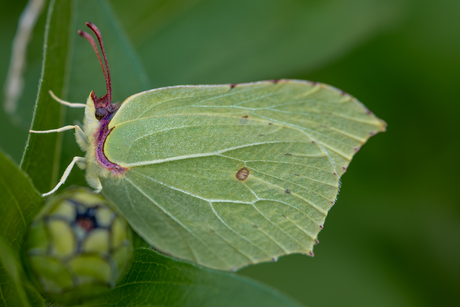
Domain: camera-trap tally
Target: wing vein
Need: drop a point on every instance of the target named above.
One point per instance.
(175, 219)
(292, 193)
(237, 233)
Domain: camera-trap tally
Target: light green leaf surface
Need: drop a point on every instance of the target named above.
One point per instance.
(185, 146)
(156, 280)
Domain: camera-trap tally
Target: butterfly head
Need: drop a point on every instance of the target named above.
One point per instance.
(104, 108)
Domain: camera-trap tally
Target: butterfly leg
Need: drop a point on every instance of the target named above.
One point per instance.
(92, 179)
(66, 103)
(66, 174)
(65, 128)
(98, 186)
(79, 134)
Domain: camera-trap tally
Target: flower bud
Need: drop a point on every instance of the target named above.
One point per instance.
(77, 246)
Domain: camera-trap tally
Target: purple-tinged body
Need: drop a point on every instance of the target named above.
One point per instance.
(104, 108)
(102, 134)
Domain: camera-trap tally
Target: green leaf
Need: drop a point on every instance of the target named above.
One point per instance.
(16, 111)
(20, 202)
(232, 175)
(42, 154)
(193, 42)
(156, 280)
(11, 291)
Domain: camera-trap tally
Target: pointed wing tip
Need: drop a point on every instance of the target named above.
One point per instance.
(383, 125)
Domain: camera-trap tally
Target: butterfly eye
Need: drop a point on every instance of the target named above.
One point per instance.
(100, 113)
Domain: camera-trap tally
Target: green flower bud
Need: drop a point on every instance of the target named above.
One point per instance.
(77, 246)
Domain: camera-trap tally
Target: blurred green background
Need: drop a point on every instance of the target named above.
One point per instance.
(393, 238)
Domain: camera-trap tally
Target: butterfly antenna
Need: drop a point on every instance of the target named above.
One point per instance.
(93, 43)
(90, 39)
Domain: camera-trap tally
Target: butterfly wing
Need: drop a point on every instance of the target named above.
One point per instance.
(228, 175)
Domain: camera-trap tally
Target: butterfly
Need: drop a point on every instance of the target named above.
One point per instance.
(221, 175)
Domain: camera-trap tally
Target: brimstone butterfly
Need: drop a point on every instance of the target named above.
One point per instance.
(222, 175)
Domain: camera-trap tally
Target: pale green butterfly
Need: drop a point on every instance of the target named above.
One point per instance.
(222, 175)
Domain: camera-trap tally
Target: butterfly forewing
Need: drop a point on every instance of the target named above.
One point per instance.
(231, 175)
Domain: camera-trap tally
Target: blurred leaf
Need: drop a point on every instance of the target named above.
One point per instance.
(13, 142)
(156, 280)
(26, 49)
(34, 296)
(20, 203)
(85, 75)
(202, 41)
(217, 41)
(42, 155)
(14, 288)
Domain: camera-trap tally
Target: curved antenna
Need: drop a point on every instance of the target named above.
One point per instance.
(90, 39)
(93, 43)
